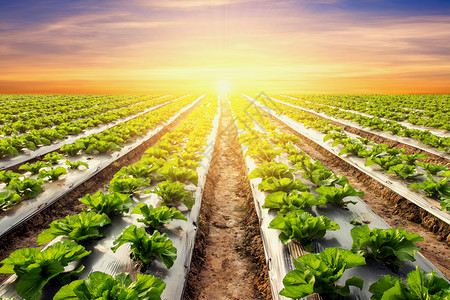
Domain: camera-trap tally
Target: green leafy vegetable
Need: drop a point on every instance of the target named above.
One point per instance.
(110, 204)
(271, 169)
(35, 267)
(53, 174)
(172, 193)
(146, 247)
(34, 168)
(103, 286)
(7, 176)
(404, 171)
(285, 202)
(318, 273)
(127, 185)
(437, 189)
(302, 227)
(74, 165)
(432, 169)
(387, 245)
(173, 173)
(157, 217)
(27, 188)
(76, 228)
(53, 158)
(421, 285)
(331, 194)
(273, 184)
(8, 199)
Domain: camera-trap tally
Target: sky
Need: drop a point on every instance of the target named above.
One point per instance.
(196, 46)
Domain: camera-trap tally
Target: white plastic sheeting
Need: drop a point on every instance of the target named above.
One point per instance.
(182, 233)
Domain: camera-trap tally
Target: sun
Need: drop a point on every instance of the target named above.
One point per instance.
(223, 87)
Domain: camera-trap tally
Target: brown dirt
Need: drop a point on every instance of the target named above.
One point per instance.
(394, 209)
(228, 261)
(25, 234)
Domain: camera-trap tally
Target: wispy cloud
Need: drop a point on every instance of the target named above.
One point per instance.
(248, 41)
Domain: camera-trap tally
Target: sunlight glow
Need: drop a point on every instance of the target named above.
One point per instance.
(223, 87)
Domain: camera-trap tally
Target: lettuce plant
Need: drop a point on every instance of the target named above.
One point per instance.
(171, 193)
(138, 170)
(8, 199)
(7, 176)
(411, 159)
(433, 169)
(53, 174)
(386, 245)
(285, 202)
(127, 185)
(146, 247)
(271, 169)
(331, 194)
(287, 185)
(437, 189)
(73, 149)
(110, 204)
(157, 153)
(28, 188)
(420, 285)
(157, 217)
(76, 228)
(325, 177)
(103, 286)
(384, 162)
(76, 164)
(173, 173)
(35, 267)
(34, 168)
(404, 171)
(53, 158)
(318, 273)
(302, 227)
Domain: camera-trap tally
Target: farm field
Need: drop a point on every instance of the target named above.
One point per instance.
(202, 196)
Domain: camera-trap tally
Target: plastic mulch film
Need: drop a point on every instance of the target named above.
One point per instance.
(279, 257)
(182, 233)
(28, 154)
(18, 214)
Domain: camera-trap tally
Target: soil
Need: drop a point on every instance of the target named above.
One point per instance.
(394, 209)
(25, 235)
(228, 260)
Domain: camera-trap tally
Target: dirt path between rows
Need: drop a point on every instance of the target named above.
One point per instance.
(228, 261)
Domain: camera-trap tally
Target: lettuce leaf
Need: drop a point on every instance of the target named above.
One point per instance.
(420, 285)
(302, 227)
(110, 204)
(157, 217)
(76, 228)
(146, 247)
(318, 273)
(387, 245)
(103, 286)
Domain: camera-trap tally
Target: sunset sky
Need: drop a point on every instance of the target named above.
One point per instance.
(304, 46)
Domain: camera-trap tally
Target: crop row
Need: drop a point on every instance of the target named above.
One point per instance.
(172, 165)
(297, 211)
(30, 185)
(30, 121)
(426, 110)
(36, 138)
(426, 137)
(391, 159)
